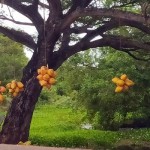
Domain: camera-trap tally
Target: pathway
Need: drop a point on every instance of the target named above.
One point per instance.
(22, 147)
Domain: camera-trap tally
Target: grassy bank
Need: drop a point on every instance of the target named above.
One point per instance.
(61, 127)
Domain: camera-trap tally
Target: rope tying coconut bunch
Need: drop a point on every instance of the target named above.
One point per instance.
(123, 83)
(2, 90)
(46, 77)
(14, 87)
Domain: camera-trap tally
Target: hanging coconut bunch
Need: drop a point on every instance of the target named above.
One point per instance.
(46, 77)
(14, 87)
(2, 90)
(123, 83)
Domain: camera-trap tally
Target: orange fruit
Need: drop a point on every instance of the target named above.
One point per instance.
(39, 77)
(125, 88)
(2, 89)
(50, 72)
(46, 77)
(52, 81)
(13, 81)
(123, 77)
(48, 86)
(1, 98)
(39, 71)
(120, 82)
(54, 74)
(115, 79)
(17, 90)
(14, 94)
(13, 85)
(11, 90)
(43, 71)
(43, 82)
(129, 82)
(119, 89)
(20, 85)
(44, 67)
(8, 85)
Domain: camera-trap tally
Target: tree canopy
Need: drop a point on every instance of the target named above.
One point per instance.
(89, 85)
(71, 18)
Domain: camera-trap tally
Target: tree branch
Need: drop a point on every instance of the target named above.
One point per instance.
(115, 13)
(124, 44)
(77, 3)
(19, 36)
(14, 21)
(55, 8)
(28, 11)
(137, 25)
(40, 3)
(137, 58)
(103, 12)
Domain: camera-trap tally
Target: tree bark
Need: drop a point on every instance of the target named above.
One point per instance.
(17, 122)
(16, 125)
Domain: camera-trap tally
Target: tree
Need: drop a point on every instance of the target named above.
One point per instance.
(89, 85)
(59, 38)
(10, 64)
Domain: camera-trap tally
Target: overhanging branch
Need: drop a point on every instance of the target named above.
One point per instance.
(14, 21)
(137, 58)
(28, 11)
(124, 44)
(19, 36)
(40, 3)
(77, 3)
(103, 12)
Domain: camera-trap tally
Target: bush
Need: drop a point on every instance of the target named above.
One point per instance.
(78, 138)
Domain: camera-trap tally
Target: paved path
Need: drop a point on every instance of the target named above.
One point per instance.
(22, 147)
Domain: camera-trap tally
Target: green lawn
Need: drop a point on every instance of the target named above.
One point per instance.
(61, 127)
(53, 126)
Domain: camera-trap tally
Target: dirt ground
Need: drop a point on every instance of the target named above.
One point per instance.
(22, 147)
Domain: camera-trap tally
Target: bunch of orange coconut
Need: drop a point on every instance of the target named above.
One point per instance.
(46, 77)
(2, 90)
(15, 87)
(123, 83)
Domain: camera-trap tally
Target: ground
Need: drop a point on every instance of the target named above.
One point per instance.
(20, 147)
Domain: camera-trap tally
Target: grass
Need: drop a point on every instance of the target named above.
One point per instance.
(136, 134)
(61, 127)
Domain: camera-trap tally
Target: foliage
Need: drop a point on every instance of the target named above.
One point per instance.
(61, 127)
(12, 60)
(44, 96)
(89, 83)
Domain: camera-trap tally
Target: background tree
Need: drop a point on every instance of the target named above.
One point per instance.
(89, 85)
(59, 30)
(12, 60)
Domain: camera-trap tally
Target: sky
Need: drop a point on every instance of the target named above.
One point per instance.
(18, 17)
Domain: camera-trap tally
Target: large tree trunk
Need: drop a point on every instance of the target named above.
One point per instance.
(17, 122)
(16, 125)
